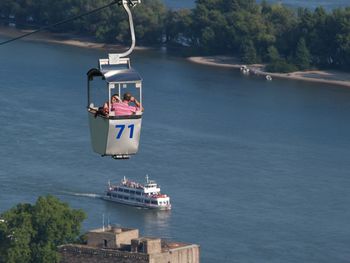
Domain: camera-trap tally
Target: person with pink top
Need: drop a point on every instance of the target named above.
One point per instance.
(104, 111)
(123, 108)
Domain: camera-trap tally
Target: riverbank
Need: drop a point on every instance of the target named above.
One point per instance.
(320, 76)
(62, 39)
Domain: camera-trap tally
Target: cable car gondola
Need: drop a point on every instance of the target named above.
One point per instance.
(113, 134)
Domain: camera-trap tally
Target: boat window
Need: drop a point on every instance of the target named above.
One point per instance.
(108, 194)
(138, 199)
(126, 191)
(126, 197)
(138, 193)
(120, 189)
(147, 201)
(132, 192)
(132, 198)
(120, 196)
(114, 195)
(154, 202)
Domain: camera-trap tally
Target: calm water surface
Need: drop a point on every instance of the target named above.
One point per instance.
(257, 171)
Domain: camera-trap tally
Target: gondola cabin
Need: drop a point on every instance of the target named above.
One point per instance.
(114, 133)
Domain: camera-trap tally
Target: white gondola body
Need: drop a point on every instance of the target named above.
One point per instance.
(114, 136)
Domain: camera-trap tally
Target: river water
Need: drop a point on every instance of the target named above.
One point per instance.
(257, 171)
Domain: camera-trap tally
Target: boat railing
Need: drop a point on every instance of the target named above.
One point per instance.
(132, 184)
(158, 195)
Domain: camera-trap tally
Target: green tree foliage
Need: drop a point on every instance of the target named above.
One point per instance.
(221, 26)
(241, 28)
(341, 31)
(281, 66)
(248, 53)
(281, 23)
(110, 25)
(245, 26)
(31, 233)
(276, 63)
(302, 55)
(150, 21)
(178, 26)
(272, 54)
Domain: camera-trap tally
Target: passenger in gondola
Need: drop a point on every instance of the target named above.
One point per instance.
(104, 111)
(124, 108)
(114, 101)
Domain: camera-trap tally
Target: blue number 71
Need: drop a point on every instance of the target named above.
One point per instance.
(122, 127)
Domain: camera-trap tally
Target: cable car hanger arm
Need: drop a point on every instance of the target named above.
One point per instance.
(126, 4)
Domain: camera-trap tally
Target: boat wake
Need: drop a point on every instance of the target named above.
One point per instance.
(90, 195)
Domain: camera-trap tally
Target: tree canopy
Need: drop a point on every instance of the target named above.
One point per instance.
(31, 233)
(269, 33)
(287, 39)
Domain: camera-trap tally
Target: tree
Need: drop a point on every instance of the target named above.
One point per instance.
(341, 29)
(178, 26)
(31, 233)
(281, 66)
(248, 53)
(149, 20)
(240, 28)
(302, 55)
(272, 54)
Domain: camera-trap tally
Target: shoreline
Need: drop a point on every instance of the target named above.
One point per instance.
(332, 77)
(318, 76)
(63, 39)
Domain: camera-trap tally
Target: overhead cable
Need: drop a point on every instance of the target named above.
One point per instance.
(61, 22)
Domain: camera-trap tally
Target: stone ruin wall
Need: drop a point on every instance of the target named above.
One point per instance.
(75, 254)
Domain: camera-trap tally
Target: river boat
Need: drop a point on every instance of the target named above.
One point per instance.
(146, 195)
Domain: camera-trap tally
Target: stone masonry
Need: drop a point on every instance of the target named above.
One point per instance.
(123, 245)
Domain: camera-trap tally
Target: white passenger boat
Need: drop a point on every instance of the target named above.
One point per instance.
(136, 194)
